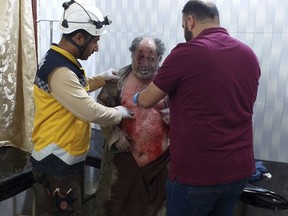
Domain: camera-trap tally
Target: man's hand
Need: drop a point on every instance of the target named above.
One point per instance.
(124, 112)
(110, 74)
(123, 143)
(165, 113)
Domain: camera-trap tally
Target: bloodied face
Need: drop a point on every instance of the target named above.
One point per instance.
(145, 60)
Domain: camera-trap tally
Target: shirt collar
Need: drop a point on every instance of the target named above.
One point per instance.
(66, 54)
(213, 30)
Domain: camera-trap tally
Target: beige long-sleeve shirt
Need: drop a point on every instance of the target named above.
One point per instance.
(65, 88)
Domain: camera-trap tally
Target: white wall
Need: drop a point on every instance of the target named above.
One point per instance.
(262, 24)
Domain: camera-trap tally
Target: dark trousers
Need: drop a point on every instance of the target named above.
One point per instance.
(63, 193)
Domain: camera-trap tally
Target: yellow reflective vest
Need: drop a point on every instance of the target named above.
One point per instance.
(56, 130)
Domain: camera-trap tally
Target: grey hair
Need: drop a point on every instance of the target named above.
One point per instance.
(160, 47)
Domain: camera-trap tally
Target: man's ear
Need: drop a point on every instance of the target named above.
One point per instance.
(190, 22)
(79, 38)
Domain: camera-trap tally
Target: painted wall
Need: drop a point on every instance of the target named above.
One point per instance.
(262, 24)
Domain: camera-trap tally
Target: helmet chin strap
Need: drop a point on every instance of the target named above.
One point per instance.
(80, 48)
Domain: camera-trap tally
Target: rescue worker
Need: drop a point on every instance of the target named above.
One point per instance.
(64, 109)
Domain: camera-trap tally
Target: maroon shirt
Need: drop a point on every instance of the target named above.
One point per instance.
(212, 84)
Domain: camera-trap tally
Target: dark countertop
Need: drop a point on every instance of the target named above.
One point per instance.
(278, 184)
(279, 181)
(15, 172)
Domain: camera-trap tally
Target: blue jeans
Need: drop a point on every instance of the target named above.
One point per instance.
(216, 200)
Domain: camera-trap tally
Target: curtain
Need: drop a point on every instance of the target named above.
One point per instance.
(17, 69)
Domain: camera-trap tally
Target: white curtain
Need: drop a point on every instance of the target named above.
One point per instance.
(17, 70)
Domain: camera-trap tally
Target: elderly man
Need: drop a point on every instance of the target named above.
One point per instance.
(134, 167)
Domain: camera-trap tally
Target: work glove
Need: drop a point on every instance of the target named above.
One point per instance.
(260, 171)
(124, 112)
(110, 74)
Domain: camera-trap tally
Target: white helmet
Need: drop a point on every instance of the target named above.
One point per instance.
(83, 16)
